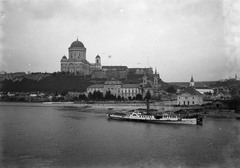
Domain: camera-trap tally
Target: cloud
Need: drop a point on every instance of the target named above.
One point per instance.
(171, 35)
(231, 12)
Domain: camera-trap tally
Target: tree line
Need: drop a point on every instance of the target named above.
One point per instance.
(97, 95)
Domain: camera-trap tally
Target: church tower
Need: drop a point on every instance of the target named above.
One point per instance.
(98, 60)
(144, 80)
(192, 84)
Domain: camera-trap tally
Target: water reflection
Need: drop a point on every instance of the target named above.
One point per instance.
(63, 137)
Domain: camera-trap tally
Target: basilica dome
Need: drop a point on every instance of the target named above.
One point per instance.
(64, 57)
(77, 44)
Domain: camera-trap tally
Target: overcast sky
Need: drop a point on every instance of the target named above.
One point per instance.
(178, 37)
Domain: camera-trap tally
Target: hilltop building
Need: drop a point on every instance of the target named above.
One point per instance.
(76, 63)
(108, 72)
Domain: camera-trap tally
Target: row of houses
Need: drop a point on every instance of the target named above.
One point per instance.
(39, 96)
(187, 97)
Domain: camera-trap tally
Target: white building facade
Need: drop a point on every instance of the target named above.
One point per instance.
(189, 99)
(117, 89)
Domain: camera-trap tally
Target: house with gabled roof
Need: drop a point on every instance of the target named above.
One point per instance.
(190, 96)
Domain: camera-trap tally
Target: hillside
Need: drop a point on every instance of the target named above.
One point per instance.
(58, 82)
(52, 83)
(186, 84)
(232, 84)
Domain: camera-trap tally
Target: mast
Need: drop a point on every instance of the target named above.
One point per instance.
(148, 97)
(147, 103)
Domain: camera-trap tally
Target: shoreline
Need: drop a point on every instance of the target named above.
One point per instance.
(107, 107)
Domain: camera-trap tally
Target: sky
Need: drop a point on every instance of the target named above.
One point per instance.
(179, 38)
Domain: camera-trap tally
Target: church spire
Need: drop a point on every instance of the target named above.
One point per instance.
(192, 82)
(144, 79)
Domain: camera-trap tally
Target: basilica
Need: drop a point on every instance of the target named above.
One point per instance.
(77, 63)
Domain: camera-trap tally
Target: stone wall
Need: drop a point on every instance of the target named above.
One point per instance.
(109, 74)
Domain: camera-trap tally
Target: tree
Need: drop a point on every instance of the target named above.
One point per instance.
(109, 96)
(138, 97)
(148, 95)
(235, 103)
(171, 89)
(64, 93)
(234, 91)
(82, 97)
(119, 98)
(97, 95)
(90, 95)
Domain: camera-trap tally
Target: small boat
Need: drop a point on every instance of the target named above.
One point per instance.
(166, 118)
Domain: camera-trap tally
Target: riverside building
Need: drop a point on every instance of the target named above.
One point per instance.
(190, 96)
(117, 88)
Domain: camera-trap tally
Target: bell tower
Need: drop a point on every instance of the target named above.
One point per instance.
(192, 84)
(144, 80)
(98, 60)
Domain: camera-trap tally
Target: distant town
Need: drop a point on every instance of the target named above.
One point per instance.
(81, 81)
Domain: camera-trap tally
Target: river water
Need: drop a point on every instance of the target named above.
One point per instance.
(33, 135)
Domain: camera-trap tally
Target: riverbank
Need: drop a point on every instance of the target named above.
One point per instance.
(105, 107)
(100, 106)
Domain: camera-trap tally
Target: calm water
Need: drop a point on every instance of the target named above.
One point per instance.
(39, 136)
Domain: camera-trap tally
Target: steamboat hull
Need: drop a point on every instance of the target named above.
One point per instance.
(151, 119)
